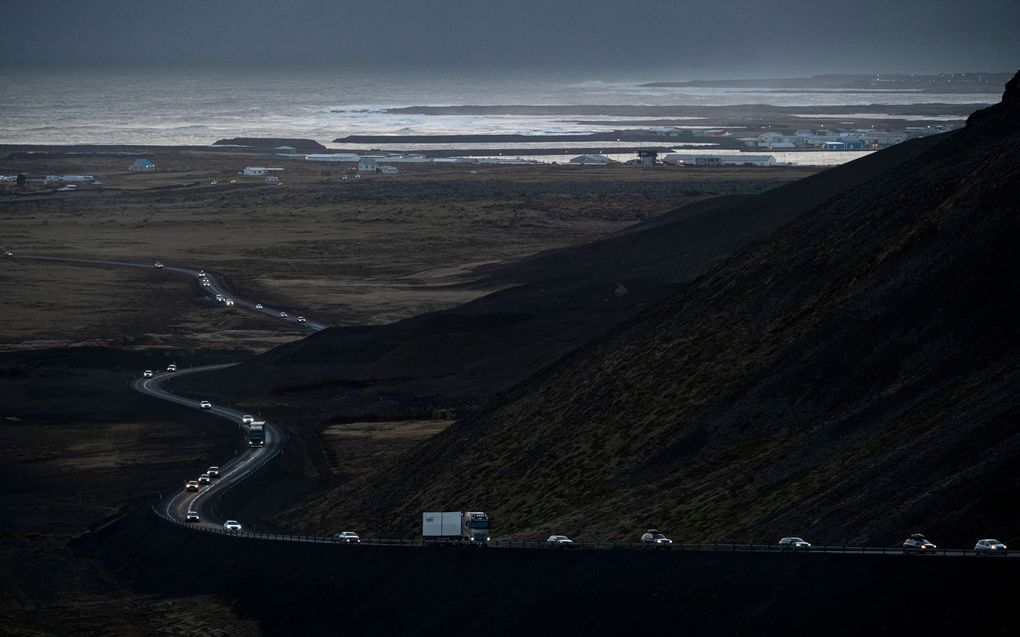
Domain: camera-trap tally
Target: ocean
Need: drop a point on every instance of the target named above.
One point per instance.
(180, 107)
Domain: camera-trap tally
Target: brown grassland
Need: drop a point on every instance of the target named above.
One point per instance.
(364, 250)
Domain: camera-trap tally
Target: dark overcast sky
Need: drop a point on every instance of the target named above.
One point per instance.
(693, 38)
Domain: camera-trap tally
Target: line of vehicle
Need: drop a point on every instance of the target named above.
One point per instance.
(217, 286)
(248, 462)
(179, 504)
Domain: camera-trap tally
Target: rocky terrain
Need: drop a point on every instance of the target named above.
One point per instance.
(852, 377)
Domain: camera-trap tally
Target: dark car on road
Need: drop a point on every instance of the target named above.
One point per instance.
(794, 543)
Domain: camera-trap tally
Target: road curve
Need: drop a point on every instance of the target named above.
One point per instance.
(176, 506)
(216, 286)
(233, 471)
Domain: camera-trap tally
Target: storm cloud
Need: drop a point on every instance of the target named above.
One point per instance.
(722, 38)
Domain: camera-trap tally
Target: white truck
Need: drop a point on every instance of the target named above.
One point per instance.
(454, 527)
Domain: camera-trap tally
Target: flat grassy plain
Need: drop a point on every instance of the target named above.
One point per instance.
(360, 250)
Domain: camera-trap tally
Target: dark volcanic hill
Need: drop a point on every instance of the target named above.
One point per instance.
(853, 377)
(552, 303)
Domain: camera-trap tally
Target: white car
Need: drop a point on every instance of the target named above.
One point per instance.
(8, 253)
(228, 302)
(247, 419)
(300, 319)
(193, 516)
(347, 537)
(989, 546)
(794, 543)
(917, 542)
(206, 283)
(201, 273)
(205, 404)
(258, 306)
(191, 485)
(214, 472)
(651, 536)
(147, 373)
(559, 539)
(171, 367)
(231, 526)
(220, 298)
(204, 479)
(283, 314)
(157, 265)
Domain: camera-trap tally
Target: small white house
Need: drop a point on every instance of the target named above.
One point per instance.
(367, 165)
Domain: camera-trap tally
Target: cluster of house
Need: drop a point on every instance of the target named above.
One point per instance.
(650, 158)
(838, 139)
(382, 163)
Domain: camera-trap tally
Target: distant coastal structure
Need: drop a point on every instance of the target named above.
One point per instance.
(142, 166)
(351, 157)
(65, 179)
(836, 139)
(742, 159)
(366, 165)
(647, 157)
(258, 171)
(591, 160)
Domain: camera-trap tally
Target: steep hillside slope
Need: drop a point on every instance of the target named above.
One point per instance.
(553, 303)
(852, 378)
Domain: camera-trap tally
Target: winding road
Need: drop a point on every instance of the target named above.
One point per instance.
(216, 286)
(205, 500)
(175, 507)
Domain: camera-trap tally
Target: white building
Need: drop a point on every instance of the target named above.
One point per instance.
(388, 170)
(403, 159)
(64, 179)
(367, 165)
(737, 159)
(257, 171)
(333, 157)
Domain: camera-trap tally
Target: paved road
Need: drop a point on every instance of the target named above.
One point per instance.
(216, 286)
(231, 472)
(175, 507)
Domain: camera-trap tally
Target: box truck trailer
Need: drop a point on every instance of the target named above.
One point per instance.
(454, 527)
